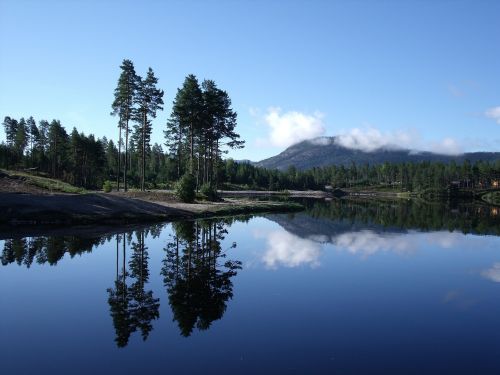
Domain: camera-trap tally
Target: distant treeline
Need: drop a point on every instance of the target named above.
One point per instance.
(82, 160)
(87, 161)
(397, 176)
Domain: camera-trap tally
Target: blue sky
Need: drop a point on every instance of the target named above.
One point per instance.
(420, 74)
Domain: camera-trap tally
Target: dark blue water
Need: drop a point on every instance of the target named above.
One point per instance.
(338, 289)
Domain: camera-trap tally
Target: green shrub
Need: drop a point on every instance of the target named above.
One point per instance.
(209, 192)
(106, 187)
(185, 188)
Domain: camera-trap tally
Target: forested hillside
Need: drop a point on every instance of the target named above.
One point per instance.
(327, 151)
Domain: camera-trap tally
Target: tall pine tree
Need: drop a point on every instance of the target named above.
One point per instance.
(33, 135)
(149, 100)
(10, 126)
(218, 127)
(123, 107)
(187, 115)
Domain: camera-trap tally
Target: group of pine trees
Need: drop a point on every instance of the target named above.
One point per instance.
(46, 148)
(201, 124)
(137, 100)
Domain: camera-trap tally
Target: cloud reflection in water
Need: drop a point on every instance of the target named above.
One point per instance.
(493, 273)
(285, 249)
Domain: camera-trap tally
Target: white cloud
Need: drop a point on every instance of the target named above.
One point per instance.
(492, 273)
(447, 146)
(288, 250)
(371, 139)
(321, 141)
(493, 113)
(288, 128)
(291, 127)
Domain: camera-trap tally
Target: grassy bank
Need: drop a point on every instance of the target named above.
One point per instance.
(22, 182)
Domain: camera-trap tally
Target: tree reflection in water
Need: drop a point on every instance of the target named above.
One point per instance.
(197, 274)
(132, 307)
(25, 251)
(195, 271)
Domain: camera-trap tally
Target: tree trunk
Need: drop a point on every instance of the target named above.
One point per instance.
(179, 147)
(31, 149)
(191, 139)
(198, 174)
(126, 154)
(119, 157)
(205, 165)
(216, 166)
(143, 171)
(54, 160)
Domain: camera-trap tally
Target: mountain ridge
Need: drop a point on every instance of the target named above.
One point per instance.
(325, 151)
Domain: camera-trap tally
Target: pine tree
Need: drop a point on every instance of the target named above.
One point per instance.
(10, 126)
(149, 100)
(58, 147)
(219, 126)
(187, 115)
(123, 107)
(33, 135)
(174, 140)
(21, 140)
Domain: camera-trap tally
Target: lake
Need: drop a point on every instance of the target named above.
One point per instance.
(344, 287)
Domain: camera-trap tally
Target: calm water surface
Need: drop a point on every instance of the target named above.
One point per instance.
(342, 288)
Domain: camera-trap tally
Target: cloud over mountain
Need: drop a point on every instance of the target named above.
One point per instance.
(288, 128)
